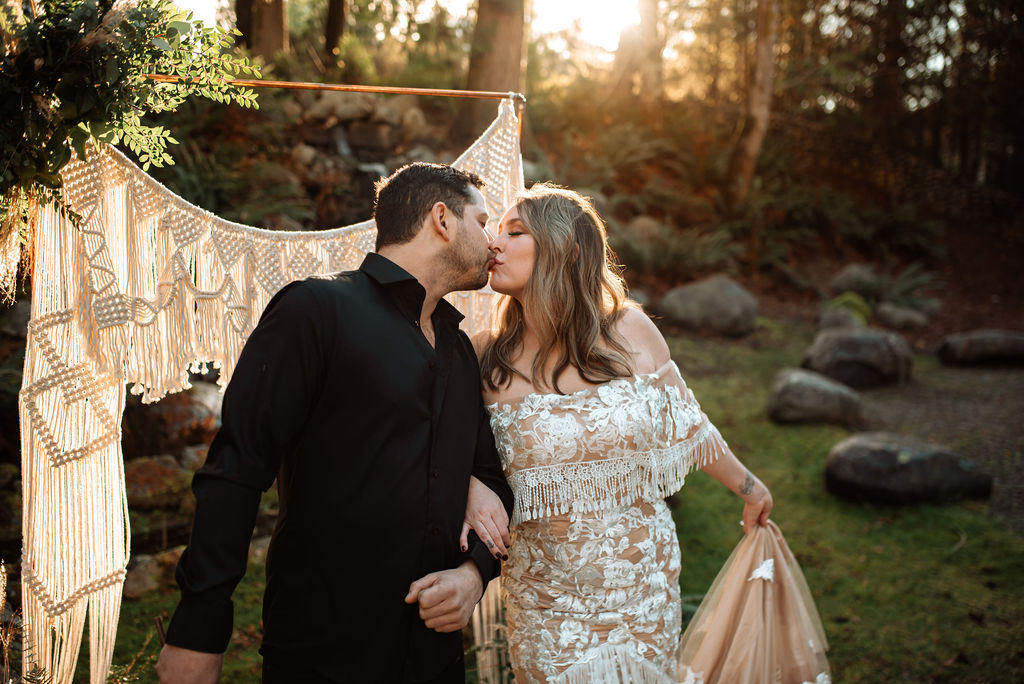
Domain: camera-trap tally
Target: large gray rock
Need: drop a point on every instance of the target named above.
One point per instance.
(839, 317)
(800, 396)
(149, 573)
(717, 303)
(888, 468)
(858, 278)
(900, 316)
(983, 346)
(342, 106)
(860, 358)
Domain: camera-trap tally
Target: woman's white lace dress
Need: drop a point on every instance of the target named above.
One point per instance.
(591, 586)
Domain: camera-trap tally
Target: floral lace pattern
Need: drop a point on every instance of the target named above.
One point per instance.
(591, 586)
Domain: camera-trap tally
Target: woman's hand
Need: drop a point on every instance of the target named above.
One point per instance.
(486, 515)
(757, 503)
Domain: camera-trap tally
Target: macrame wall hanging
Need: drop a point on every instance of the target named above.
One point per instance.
(144, 290)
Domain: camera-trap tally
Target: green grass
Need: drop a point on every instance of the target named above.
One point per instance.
(906, 594)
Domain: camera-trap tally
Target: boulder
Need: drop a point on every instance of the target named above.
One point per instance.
(859, 278)
(193, 457)
(895, 469)
(303, 155)
(901, 317)
(983, 346)
(174, 422)
(859, 358)
(341, 106)
(157, 482)
(393, 109)
(839, 317)
(800, 396)
(376, 135)
(717, 303)
(149, 573)
(641, 297)
(645, 227)
(413, 125)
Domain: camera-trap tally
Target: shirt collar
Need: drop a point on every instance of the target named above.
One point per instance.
(407, 289)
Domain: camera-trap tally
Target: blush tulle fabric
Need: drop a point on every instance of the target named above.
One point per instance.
(757, 623)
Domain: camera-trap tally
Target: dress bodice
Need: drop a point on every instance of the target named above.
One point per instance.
(627, 439)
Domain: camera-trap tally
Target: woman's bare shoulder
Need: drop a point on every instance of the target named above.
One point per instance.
(643, 339)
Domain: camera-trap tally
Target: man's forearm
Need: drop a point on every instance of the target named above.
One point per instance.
(213, 564)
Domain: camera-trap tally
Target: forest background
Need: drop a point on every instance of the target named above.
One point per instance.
(773, 140)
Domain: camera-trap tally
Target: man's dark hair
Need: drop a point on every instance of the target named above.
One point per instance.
(405, 197)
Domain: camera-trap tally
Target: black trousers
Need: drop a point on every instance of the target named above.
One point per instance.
(278, 670)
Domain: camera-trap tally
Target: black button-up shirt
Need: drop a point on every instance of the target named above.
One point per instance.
(372, 435)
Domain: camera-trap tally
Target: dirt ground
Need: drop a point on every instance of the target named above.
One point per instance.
(977, 412)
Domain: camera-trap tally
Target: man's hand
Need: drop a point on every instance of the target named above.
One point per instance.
(182, 666)
(447, 598)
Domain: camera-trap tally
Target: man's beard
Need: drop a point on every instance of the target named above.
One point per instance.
(464, 270)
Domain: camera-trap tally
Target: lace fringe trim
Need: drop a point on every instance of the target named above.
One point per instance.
(613, 664)
(589, 486)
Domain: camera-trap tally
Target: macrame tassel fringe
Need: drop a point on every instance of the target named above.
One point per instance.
(145, 288)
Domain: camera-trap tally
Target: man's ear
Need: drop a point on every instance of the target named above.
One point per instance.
(439, 217)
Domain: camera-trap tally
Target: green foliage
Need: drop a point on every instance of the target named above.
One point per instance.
(852, 301)
(909, 286)
(673, 253)
(77, 72)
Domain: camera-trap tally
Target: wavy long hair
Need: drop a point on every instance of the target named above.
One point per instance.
(574, 296)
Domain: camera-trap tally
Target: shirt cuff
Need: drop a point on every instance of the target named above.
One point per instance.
(202, 625)
(488, 566)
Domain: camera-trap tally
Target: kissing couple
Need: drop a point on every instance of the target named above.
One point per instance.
(402, 451)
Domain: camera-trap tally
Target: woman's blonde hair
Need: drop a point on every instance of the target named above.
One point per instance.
(574, 295)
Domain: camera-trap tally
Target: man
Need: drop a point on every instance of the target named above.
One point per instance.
(361, 396)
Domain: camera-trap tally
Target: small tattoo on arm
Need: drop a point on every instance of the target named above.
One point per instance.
(748, 485)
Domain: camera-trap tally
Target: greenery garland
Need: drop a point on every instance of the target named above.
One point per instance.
(75, 72)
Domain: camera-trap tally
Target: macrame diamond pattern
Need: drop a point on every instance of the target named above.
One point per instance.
(143, 289)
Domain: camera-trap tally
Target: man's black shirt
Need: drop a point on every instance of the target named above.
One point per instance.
(372, 435)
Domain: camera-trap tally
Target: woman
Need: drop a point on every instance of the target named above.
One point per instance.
(595, 427)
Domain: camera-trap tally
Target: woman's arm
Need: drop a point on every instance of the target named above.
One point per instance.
(757, 500)
(650, 351)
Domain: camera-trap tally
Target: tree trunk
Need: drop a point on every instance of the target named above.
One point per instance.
(243, 20)
(887, 85)
(334, 29)
(652, 44)
(495, 63)
(269, 28)
(759, 104)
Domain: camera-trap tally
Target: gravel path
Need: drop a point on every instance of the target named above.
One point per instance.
(978, 412)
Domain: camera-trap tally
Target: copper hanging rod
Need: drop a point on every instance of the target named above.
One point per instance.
(387, 90)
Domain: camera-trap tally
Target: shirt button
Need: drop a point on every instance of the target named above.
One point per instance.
(432, 365)
(433, 474)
